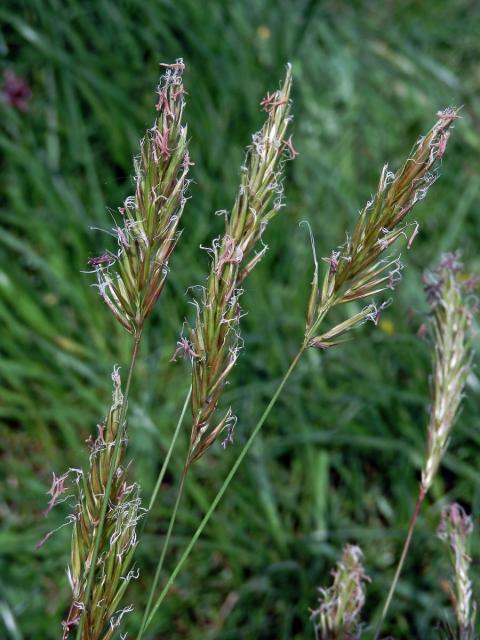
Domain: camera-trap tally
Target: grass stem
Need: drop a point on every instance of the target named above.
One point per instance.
(406, 546)
(163, 470)
(164, 552)
(221, 491)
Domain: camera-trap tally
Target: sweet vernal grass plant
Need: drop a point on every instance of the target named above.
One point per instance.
(130, 280)
(214, 342)
(448, 290)
(455, 530)
(338, 615)
(361, 268)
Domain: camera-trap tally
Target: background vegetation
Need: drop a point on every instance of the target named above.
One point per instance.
(338, 460)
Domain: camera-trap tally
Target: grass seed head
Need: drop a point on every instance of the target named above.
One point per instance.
(338, 616)
(113, 567)
(455, 530)
(362, 268)
(448, 291)
(131, 280)
(215, 342)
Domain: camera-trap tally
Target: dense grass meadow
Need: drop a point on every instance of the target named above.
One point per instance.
(339, 458)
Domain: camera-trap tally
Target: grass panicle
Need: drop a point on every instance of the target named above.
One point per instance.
(118, 539)
(131, 280)
(215, 340)
(455, 530)
(361, 268)
(449, 291)
(340, 606)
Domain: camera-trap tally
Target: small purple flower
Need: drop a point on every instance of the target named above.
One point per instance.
(230, 427)
(16, 91)
(471, 283)
(374, 315)
(57, 489)
(187, 162)
(455, 521)
(291, 149)
(160, 143)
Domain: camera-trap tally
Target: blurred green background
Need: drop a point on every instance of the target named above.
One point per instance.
(339, 458)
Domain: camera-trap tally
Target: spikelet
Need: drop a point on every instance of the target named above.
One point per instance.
(455, 530)
(215, 341)
(338, 616)
(359, 269)
(113, 567)
(131, 281)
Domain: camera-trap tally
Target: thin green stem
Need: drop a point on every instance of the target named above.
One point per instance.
(108, 487)
(166, 542)
(163, 470)
(222, 490)
(406, 546)
(154, 496)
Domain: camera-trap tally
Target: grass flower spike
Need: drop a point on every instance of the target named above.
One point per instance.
(448, 292)
(215, 340)
(113, 562)
(131, 281)
(455, 530)
(452, 362)
(360, 268)
(338, 616)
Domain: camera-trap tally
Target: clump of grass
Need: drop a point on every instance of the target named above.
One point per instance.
(130, 282)
(338, 616)
(118, 537)
(455, 530)
(359, 269)
(447, 289)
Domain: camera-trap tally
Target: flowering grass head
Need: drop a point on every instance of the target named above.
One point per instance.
(113, 572)
(455, 530)
(338, 614)
(361, 268)
(131, 280)
(449, 293)
(215, 342)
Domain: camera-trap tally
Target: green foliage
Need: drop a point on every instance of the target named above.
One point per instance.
(340, 458)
